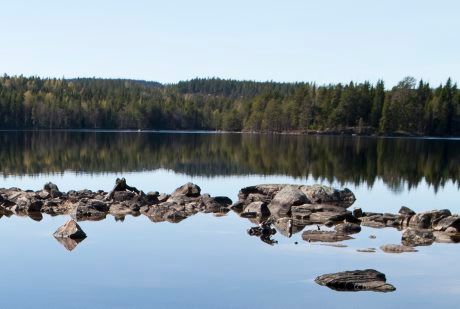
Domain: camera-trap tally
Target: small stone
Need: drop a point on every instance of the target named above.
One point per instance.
(396, 248)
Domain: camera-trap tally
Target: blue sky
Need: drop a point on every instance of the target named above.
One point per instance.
(323, 41)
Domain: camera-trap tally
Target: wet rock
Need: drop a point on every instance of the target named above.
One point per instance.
(356, 280)
(417, 237)
(286, 198)
(324, 236)
(347, 228)
(391, 248)
(189, 190)
(318, 194)
(70, 229)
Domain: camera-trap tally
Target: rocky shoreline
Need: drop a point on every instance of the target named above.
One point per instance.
(319, 212)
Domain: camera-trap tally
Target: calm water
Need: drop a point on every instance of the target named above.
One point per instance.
(208, 261)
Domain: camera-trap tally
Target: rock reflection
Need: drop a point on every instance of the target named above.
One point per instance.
(69, 243)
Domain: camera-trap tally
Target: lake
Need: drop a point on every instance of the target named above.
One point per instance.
(209, 261)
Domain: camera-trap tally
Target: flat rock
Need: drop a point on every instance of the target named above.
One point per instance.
(356, 280)
(391, 248)
(324, 236)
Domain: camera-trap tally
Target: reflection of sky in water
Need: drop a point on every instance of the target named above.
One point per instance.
(206, 261)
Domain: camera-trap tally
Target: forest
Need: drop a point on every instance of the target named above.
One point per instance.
(410, 107)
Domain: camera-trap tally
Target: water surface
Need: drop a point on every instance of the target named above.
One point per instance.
(208, 261)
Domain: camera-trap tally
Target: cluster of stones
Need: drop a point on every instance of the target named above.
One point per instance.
(290, 208)
(84, 205)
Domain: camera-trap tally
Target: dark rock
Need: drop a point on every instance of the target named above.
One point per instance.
(417, 237)
(324, 236)
(358, 212)
(70, 229)
(391, 248)
(406, 211)
(120, 196)
(357, 280)
(52, 189)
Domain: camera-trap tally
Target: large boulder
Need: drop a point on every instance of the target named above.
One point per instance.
(356, 280)
(286, 198)
(259, 208)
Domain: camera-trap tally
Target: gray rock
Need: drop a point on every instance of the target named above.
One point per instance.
(406, 211)
(452, 222)
(427, 220)
(319, 194)
(286, 198)
(356, 280)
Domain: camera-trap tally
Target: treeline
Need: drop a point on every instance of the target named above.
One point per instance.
(217, 104)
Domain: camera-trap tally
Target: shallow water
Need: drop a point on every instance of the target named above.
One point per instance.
(208, 261)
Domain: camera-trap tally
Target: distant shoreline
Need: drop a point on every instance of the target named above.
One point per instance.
(336, 133)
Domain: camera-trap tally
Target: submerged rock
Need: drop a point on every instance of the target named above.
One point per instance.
(356, 280)
(70, 229)
(396, 248)
(324, 236)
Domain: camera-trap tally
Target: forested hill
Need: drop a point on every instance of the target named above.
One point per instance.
(217, 104)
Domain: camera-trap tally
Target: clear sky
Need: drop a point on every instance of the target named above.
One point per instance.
(171, 40)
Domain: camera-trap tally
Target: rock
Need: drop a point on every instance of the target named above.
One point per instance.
(358, 212)
(263, 193)
(324, 236)
(218, 204)
(429, 219)
(452, 222)
(446, 236)
(396, 248)
(319, 194)
(368, 250)
(259, 208)
(372, 236)
(93, 210)
(348, 228)
(163, 197)
(120, 196)
(406, 211)
(52, 189)
(357, 280)
(70, 229)
(286, 198)
(417, 237)
(69, 243)
(189, 190)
